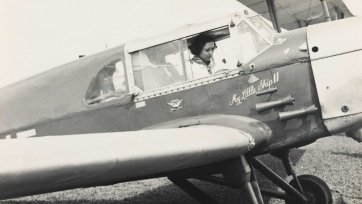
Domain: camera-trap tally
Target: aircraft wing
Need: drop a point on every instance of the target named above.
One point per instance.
(52, 163)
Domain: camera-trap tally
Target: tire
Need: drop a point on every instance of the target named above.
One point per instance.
(314, 188)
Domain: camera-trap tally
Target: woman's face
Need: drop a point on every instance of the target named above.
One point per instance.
(207, 52)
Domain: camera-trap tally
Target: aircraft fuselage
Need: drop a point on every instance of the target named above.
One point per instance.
(277, 87)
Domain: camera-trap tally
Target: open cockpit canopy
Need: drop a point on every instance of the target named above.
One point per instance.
(166, 60)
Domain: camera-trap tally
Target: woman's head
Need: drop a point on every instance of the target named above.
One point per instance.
(203, 46)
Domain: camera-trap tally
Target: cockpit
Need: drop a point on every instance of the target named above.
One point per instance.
(165, 61)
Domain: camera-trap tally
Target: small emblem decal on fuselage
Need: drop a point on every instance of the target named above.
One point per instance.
(263, 84)
(140, 104)
(252, 79)
(175, 104)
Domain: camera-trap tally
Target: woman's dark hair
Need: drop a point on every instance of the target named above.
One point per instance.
(199, 42)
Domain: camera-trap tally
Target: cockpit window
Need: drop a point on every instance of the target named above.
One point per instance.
(158, 66)
(109, 84)
(199, 55)
(222, 58)
(252, 43)
(262, 27)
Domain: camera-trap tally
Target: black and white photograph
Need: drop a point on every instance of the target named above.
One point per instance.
(181, 101)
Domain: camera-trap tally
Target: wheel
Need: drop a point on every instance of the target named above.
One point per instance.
(314, 188)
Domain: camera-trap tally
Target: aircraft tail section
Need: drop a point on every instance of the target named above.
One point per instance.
(52, 163)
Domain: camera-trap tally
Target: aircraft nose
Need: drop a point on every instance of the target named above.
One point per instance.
(334, 38)
(335, 50)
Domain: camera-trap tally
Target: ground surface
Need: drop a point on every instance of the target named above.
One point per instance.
(337, 160)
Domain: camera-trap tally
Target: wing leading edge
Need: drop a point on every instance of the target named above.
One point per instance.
(53, 163)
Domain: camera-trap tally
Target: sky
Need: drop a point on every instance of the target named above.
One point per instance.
(355, 6)
(36, 35)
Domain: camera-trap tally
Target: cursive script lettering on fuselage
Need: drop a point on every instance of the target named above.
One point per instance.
(263, 84)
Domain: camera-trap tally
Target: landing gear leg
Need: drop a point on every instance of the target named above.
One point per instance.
(248, 183)
(301, 190)
(192, 190)
(316, 190)
(237, 174)
(288, 165)
(279, 181)
(255, 185)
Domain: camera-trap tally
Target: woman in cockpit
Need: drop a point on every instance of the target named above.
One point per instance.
(202, 48)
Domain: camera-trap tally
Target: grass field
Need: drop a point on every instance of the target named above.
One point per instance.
(337, 160)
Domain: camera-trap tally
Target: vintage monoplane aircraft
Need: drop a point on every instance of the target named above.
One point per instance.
(139, 111)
